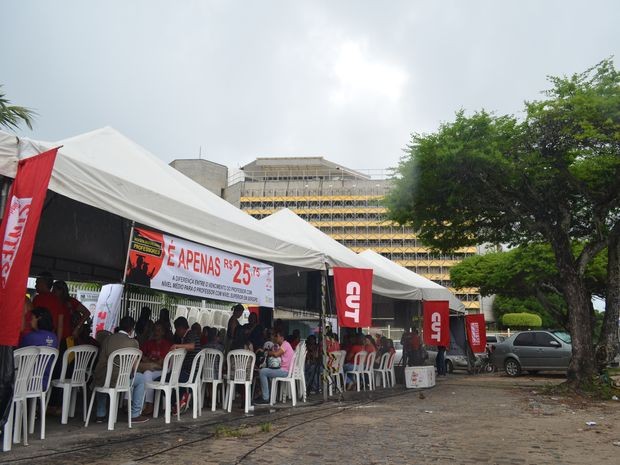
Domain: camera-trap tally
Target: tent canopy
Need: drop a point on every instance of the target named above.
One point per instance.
(430, 290)
(385, 283)
(124, 182)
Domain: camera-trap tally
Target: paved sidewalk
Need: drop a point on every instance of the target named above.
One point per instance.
(490, 419)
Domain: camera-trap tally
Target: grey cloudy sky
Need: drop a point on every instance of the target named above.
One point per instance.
(348, 80)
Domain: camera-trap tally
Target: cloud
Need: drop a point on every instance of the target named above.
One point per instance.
(359, 76)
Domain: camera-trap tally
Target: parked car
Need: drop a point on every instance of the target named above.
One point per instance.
(454, 361)
(533, 351)
(493, 339)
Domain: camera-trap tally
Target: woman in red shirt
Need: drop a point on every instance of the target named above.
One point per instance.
(153, 353)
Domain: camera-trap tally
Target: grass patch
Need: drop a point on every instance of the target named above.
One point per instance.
(222, 431)
(597, 388)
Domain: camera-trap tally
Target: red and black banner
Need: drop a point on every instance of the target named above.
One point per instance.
(353, 290)
(476, 332)
(436, 314)
(18, 231)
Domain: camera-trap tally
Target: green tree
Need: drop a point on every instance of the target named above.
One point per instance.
(549, 178)
(11, 116)
(526, 279)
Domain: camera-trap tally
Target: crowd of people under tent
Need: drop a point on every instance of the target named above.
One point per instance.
(55, 319)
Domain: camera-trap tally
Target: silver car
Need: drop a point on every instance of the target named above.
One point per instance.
(533, 351)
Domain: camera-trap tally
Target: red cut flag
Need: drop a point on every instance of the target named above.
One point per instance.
(476, 332)
(18, 232)
(436, 314)
(353, 289)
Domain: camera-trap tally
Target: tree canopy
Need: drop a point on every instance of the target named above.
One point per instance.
(11, 116)
(550, 177)
(526, 279)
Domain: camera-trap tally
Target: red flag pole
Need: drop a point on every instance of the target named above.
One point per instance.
(18, 232)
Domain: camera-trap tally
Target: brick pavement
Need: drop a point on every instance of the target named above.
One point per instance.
(487, 419)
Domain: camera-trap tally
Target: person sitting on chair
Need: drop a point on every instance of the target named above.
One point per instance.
(121, 340)
(184, 338)
(285, 352)
(154, 351)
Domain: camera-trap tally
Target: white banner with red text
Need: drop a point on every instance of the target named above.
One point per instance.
(353, 289)
(107, 308)
(172, 264)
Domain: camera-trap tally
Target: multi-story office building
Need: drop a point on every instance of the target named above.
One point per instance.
(345, 204)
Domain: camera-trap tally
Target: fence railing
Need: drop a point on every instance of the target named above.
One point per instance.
(133, 302)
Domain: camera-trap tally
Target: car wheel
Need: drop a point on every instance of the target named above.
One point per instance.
(512, 367)
(489, 368)
(449, 367)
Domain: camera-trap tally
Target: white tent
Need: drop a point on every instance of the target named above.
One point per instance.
(106, 170)
(430, 290)
(385, 283)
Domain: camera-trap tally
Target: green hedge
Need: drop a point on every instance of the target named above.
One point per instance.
(521, 320)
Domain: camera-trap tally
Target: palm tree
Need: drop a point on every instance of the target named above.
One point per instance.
(11, 116)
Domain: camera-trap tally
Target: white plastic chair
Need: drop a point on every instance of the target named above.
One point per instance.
(192, 315)
(295, 375)
(24, 360)
(172, 363)
(368, 373)
(220, 319)
(194, 382)
(212, 373)
(300, 373)
(240, 364)
(205, 319)
(338, 367)
(390, 369)
(127, 364)
(382, 371)
(358, 370)
(46, 361)
(181, 311)
(83, 360)
(288, 381)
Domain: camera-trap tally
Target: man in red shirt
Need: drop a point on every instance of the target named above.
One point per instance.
(47, 299)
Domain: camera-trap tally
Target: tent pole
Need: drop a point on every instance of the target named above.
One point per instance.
(133, 225)
(325, 377)
(124, 281)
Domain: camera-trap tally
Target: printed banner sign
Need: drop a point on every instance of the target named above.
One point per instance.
(476, 332)
(436, 322)
(172, 264)
(108, 308)
(353, 289)
(18, 231)
(89, 299)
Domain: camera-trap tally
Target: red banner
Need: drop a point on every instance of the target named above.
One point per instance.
(476, 332)
(353, 289)
(436, 322)
(18, 232)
